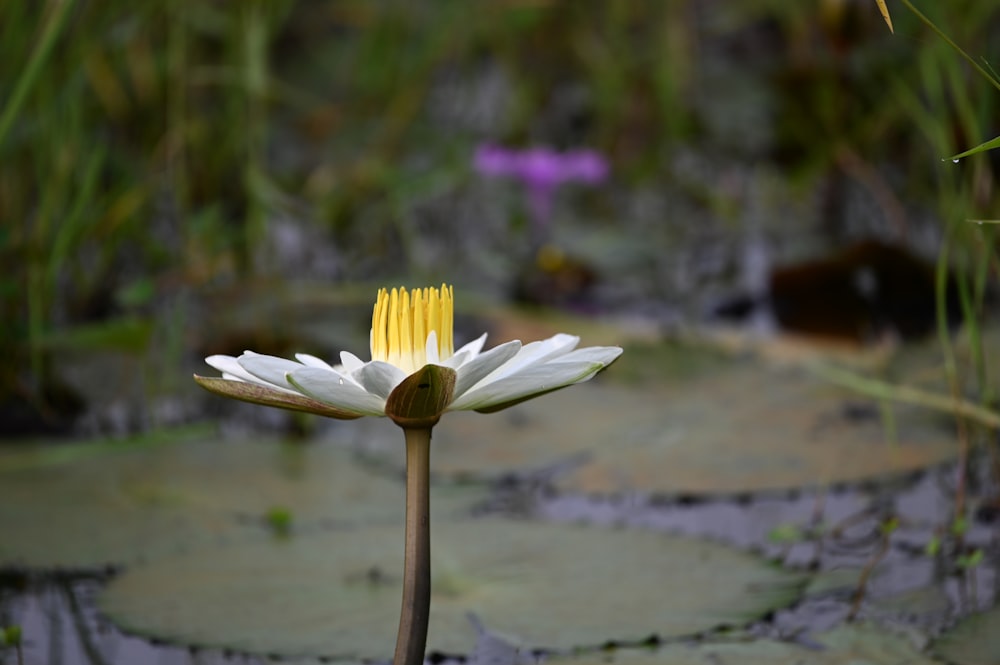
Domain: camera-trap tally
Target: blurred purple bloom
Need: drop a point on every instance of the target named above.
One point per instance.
(542, 170)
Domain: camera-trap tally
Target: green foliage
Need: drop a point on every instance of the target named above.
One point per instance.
(788, 534)
(960, 526)
(970, 560)
(982, 147)
(11, 636)
(888, 526)
(279, 520)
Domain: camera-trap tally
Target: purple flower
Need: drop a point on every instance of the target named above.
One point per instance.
(542, 170)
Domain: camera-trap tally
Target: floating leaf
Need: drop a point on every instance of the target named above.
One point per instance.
(975, 640)
(728, 427)
(40, 453)
(544, 585)
(922, 602)
(846, 645)
(112, 507)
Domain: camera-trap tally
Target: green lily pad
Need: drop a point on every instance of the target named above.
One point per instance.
(974, 640)
(546, 585)
(116, 506)
(844, 645)
(39, 453)
(728, 427)
(922, 602)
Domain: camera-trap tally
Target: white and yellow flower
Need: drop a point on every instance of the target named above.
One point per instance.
(414, 373)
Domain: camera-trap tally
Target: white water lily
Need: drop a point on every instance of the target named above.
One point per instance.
(411, 332)
(414, 376)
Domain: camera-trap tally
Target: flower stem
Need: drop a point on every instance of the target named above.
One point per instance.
(415, 612)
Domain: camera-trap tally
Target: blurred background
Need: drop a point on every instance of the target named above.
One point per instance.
(182, 177)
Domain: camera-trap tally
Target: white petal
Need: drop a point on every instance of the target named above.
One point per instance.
(350, 362)
(312, 361)
(270, 369)
(558, 344)
(529, 381)
(228, 366)
(531, 354)
(472, 372)
(474, 347)
(431, 349)
(233, 371)
(379, 378)
(331, 388)
(457, 360)
(594, 354)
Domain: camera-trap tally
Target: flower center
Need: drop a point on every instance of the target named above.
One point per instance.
(402, 321)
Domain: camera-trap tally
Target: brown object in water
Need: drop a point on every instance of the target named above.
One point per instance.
(555, 279)
(859, 293)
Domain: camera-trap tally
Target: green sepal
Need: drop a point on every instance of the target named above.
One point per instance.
(422, 397)
(257, 394)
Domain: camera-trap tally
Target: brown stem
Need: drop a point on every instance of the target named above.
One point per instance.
(415, 612)
(866, 572)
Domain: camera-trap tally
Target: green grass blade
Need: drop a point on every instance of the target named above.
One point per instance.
(982, 147)
(51, 31)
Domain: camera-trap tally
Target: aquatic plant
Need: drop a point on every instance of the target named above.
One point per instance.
(413, 377)
(542, 170)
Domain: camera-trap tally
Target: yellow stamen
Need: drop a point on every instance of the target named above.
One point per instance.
(402, 321)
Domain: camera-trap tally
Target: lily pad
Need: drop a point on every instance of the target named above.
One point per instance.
(546, 585)
(974, 640)
(844, 645)
(705, 427)
(113, 507)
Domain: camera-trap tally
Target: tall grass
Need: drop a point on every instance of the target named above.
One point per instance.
(944, 97)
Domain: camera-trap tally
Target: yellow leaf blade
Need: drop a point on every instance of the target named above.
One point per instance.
(885, 14)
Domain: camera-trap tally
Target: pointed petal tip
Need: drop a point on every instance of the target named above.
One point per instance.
(266, 396)
(526, 384)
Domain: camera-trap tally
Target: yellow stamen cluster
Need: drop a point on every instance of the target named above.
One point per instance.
(402, 321)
